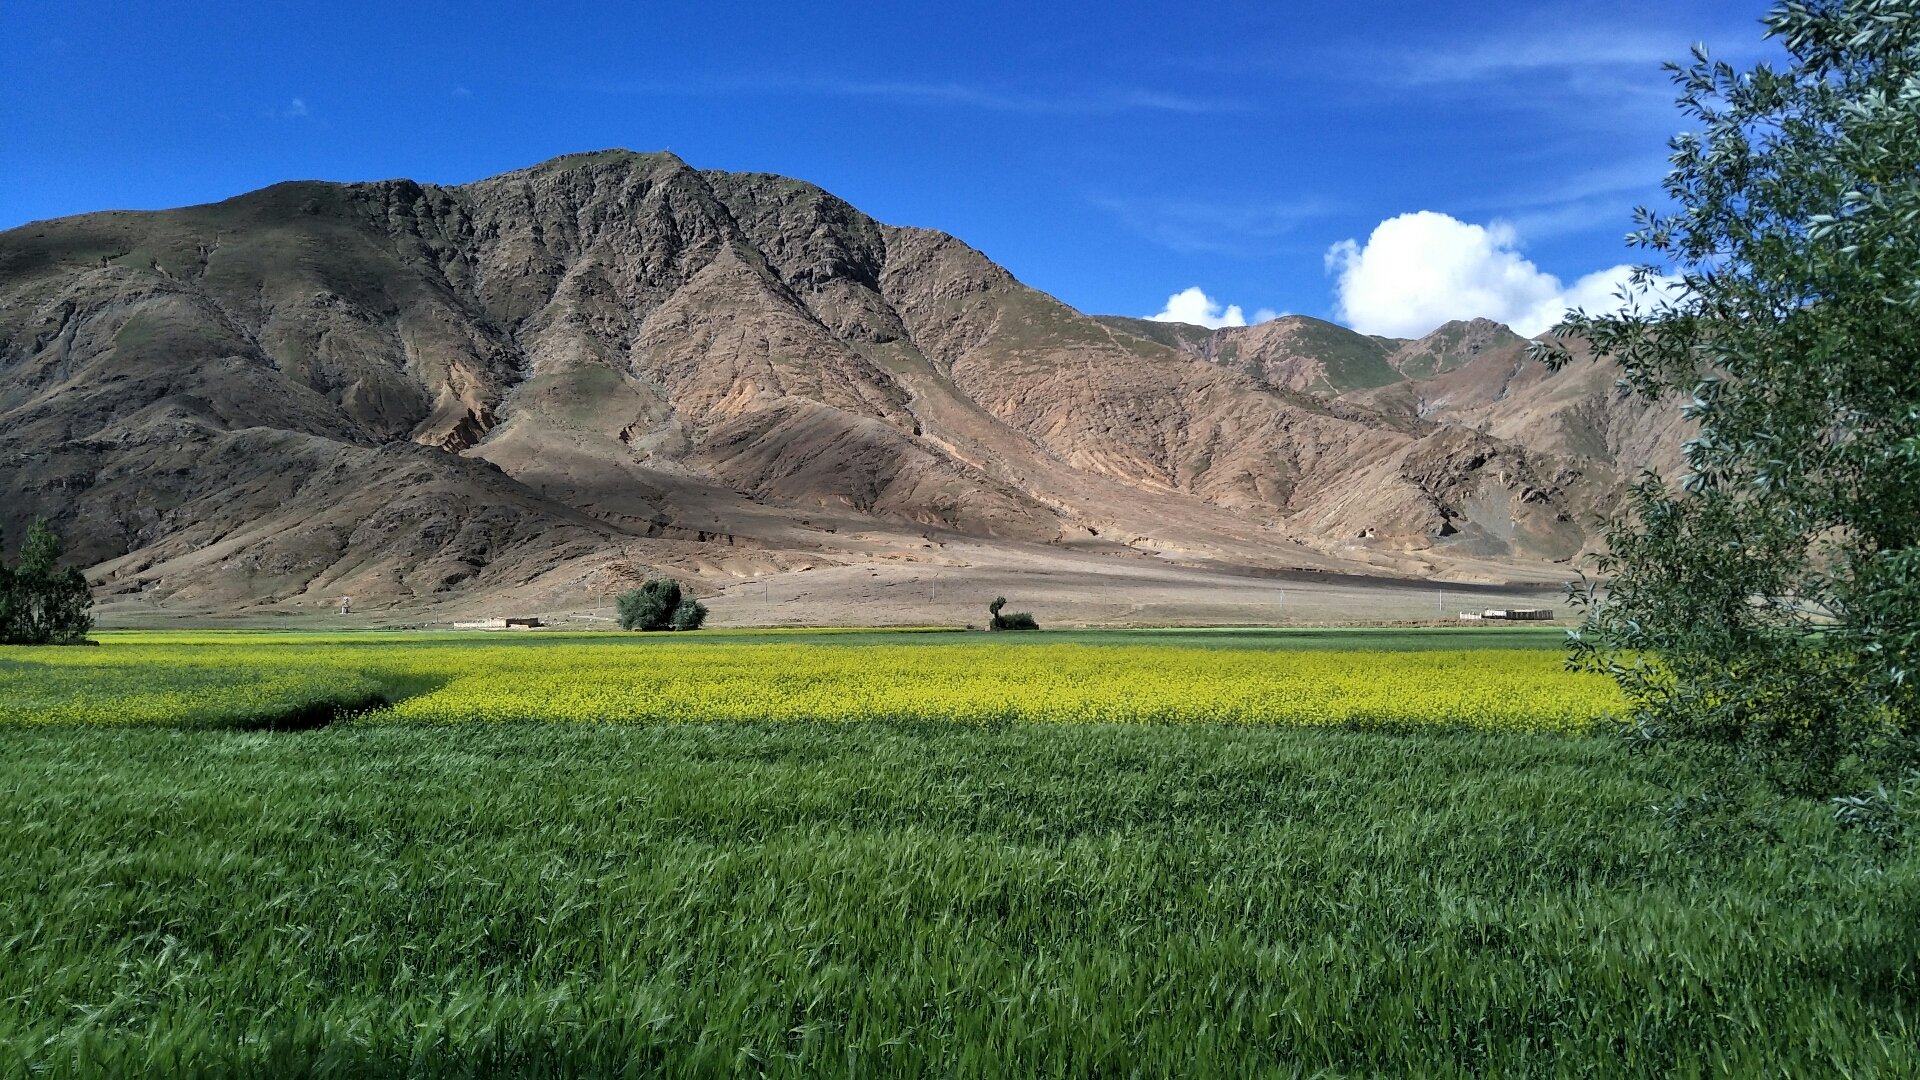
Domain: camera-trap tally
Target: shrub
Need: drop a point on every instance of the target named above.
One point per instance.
(690, 615)
(1019, 620)
(660, 604)
(649, 607)
(41, 601)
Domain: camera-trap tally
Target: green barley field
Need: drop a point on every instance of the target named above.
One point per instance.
(810, 854)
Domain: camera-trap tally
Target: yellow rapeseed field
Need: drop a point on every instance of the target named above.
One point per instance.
(218, 680)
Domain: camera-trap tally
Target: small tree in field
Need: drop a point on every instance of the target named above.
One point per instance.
(1770, 602)
(9, 600)
(660, 604)
(41, 601)
(690, 614)
(1019, 620)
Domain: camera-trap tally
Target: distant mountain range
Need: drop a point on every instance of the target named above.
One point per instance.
(554, 381)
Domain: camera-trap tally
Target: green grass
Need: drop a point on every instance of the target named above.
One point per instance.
(879, 899)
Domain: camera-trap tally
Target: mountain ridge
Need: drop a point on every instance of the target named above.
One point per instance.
(610, 363)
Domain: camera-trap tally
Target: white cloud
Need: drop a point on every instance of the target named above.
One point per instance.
(1420, 270)
(1196, 307)
(296, 108)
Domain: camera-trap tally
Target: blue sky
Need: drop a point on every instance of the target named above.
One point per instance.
(1112, 154)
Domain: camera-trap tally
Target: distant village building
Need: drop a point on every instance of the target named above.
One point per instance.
(1508, 615)
(511, 623)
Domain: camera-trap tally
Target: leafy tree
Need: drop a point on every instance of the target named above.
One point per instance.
(1018, 620)
(1769, 603)
(41, 601)
(659, 604)
(9, 598)
(691, 614)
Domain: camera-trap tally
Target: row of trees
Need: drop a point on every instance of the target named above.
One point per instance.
(41, 601)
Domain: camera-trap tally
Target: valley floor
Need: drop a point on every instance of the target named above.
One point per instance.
(1309, 852)
(889, 585)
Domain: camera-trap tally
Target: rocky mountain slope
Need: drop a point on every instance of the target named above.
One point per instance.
(553, 381)
(1580, 411)
(1322, 358)
(1474, 374)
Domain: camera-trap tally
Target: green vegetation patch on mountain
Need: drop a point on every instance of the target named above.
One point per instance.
(1294, 352)
(1186, 337)
(1452, 345)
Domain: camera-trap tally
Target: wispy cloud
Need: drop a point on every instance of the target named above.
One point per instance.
(1524, 54)
(1580, 94)
(1205, 227)
(296, 109)
(1562, 64)
(1560, 41)
(1576, 202)
(1583, 200)
(1080, 102)
(1077, 101)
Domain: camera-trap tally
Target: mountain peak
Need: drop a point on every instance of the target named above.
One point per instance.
(615, 157)
(1475, 328)
(1450, 345)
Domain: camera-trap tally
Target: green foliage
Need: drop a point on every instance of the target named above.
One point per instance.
(1769, 603)
(9, 598)
(660, 604)
(691, 614)
(41, 601)
(649, 607)
(1018, 620)
(830, 900)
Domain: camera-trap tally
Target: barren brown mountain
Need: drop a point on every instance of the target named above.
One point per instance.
(1474, 374)
(531, 389)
